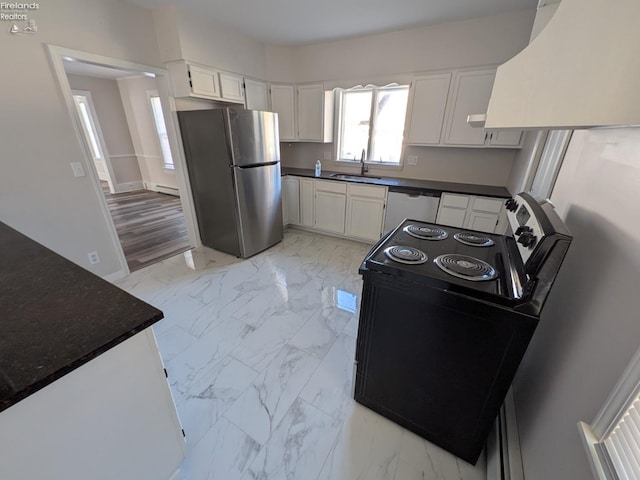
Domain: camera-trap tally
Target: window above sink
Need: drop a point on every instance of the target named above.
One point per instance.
(372, 119)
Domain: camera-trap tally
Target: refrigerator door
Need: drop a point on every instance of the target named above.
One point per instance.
(254, 137)
(259, 207)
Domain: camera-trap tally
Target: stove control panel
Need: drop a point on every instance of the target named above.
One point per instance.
(525, 225)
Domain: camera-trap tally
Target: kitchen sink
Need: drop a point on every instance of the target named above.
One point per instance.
(347, 176)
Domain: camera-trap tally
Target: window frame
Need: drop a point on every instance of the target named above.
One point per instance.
(593, 435)
(168, 167)
(339, 133)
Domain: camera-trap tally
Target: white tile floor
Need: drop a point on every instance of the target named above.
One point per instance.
(260, 355)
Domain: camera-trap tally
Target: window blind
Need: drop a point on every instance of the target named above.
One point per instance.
(621, 447)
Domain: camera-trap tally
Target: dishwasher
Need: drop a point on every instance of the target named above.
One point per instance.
(403, 204)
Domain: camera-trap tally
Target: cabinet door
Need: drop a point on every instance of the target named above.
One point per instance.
(470, 95)
(427, 107)
(231, 87)
(310, 112)
(330, 211)
(483, 222)
(291, 192)
(285, 205)
(453, 217)
(283, 103)
(256, 95)
(204, 81)
(364, 217)
(306, 202)
(505, 138)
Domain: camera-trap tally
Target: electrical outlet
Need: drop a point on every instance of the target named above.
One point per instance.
(327, 155)
(412, 159)
(94, 258)
(78, 171)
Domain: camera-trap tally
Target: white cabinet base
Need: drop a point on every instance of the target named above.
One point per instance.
(110, 418)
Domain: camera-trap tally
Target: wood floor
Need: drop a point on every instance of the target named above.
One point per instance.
(150, 225)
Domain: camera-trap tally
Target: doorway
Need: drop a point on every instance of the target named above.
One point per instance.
(132, 153)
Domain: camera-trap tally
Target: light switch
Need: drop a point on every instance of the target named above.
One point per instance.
(78, 171)
(412, 160)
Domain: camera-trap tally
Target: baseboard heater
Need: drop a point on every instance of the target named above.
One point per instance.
(504, 459)
(167, 190)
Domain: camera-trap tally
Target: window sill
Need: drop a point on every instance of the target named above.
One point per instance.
(171, 170)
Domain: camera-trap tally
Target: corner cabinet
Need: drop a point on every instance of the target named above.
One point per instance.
(305, 112)
(484, 214)
(256, 95)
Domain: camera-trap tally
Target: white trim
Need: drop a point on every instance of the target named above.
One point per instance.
(129, 186)
(176, 476)
(124, 155)
(148, 156)
(589, 441)
(56, 54)
(115, 276)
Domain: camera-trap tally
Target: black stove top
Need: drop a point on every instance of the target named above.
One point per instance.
(487, 259)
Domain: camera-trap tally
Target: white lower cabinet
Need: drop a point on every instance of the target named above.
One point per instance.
(290, 201)
(307, 202)
(330, 206)
(471, 212)
(365, 211)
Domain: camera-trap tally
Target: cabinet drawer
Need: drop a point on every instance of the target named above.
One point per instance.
(455, 201)
(491, 205)
(329, 186)
(367, 191)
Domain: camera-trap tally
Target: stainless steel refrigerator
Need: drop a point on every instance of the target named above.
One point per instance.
(233, 159)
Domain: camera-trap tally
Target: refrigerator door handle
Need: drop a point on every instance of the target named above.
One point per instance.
(255, 165)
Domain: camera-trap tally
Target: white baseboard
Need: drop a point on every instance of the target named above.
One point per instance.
(129, 186)
(176, 475)
(115, 276)
(155, 187)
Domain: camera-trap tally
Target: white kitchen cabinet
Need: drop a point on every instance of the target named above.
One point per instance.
(471, 212)
(505, 138)
(231, 87)
(307, 204)
(314, 113)
(256, 95)
(190, 80)
(470, 94)
(427, 103)
(365, 211)
(283, 103)
(330, 206)
(290, 201)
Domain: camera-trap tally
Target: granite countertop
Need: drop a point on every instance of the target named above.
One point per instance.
(407, 185)
(55, 316)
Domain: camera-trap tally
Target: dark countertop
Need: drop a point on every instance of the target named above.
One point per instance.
(55, 316)
(407, 185)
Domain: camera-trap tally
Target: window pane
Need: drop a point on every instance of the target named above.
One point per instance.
(388, 125)
(354, 135)
(89, 128)
(161, 128)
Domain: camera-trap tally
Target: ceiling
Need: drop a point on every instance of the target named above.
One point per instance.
(300, 22)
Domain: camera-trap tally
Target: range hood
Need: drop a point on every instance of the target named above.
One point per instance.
(582, 70)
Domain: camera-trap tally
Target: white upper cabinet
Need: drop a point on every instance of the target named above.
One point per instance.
(307, 118)
(314, 114)
(469, 95)
(427, 103)
(256, 95)
(283, 103)
(231, 87)
(505, 138)
(189, 80)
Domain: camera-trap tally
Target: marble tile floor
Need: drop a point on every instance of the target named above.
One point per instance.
(260, 360)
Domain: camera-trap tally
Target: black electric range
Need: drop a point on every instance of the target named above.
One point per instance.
(446, 317)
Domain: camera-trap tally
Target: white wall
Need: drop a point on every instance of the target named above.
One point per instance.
(38, 194)
(480, 41)
(589, 329)
(139, 118)
(113, 123)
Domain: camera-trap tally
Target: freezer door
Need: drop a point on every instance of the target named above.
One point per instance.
(254, 137)
(259, 207)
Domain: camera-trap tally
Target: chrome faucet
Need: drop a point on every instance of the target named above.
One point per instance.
(363, 166)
